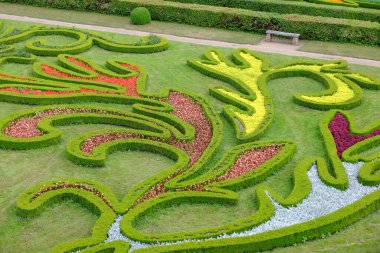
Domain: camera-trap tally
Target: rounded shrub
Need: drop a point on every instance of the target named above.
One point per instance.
(140, 16)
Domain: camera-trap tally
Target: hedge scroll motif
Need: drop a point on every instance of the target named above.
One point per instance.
(84, 41)
(185, 128)
(250, 107)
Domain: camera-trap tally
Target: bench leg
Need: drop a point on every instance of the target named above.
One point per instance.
(268, 38)
(295, 41)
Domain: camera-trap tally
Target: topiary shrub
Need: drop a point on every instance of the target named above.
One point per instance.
(140, 16)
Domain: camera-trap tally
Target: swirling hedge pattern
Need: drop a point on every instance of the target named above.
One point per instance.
(83, 41)
(250, 108)
(185, 128)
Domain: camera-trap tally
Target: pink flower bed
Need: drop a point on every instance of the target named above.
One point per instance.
(245, 163)
(191, 112)
(27, 127)
(96, 140)
(250, 160)
(68, 185)
(340, 130)
(184, 108)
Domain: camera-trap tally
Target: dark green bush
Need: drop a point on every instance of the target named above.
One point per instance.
(140, 16)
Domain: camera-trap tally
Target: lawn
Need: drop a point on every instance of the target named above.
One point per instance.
(342, 49)
(68, 221)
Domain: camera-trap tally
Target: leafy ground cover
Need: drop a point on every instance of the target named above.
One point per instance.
(24, 169)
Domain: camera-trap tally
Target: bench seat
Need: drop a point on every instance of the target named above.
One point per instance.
(295, 36)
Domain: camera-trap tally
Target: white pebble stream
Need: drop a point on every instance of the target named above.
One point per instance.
(321, 201)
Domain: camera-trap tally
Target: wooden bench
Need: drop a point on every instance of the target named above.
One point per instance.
(295, 36)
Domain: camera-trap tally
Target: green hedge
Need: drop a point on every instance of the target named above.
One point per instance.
(296, 7)
(369, 4)
(283, 237)
(310, 27)
(82, 5)
(348, 3)
(355, 81)
(27, 205)
(84, 41)
(52, 135)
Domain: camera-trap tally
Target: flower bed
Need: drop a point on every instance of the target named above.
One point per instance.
(343, 137)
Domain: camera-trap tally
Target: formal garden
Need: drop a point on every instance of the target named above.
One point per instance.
(121, 143)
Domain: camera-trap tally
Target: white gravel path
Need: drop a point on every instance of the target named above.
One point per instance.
(321, 201)
(277, 48)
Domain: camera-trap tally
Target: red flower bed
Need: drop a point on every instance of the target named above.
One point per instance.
(28, 91)
(128, 83)
(16, 77)
(340, 130)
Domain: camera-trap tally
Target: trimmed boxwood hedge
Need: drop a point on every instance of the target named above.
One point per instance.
(310, 27)
(355, 81)
(84, 41)
(222, 192)
(296, 7)
(283, 237)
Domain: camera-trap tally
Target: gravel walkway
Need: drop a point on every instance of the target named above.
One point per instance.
(277, 48)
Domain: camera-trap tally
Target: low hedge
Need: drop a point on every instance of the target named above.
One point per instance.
(310, 27)
(29, 205)
(229, 159)
(336, 176)
(98, 157)
(267, 240)
(368, 4)
(348, 3)
(280, 238)
(46, 82)
(52, 135)
(295, 7)
(81, 5)
(265, 212)
(84, 41)
(354, 81)
(230, 112)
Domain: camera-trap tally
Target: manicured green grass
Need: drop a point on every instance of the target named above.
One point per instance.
(342, 49)
(20, 170)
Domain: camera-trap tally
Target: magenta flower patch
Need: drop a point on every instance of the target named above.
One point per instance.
(340, 130)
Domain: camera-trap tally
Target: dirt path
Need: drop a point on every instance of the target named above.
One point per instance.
(277, 48)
